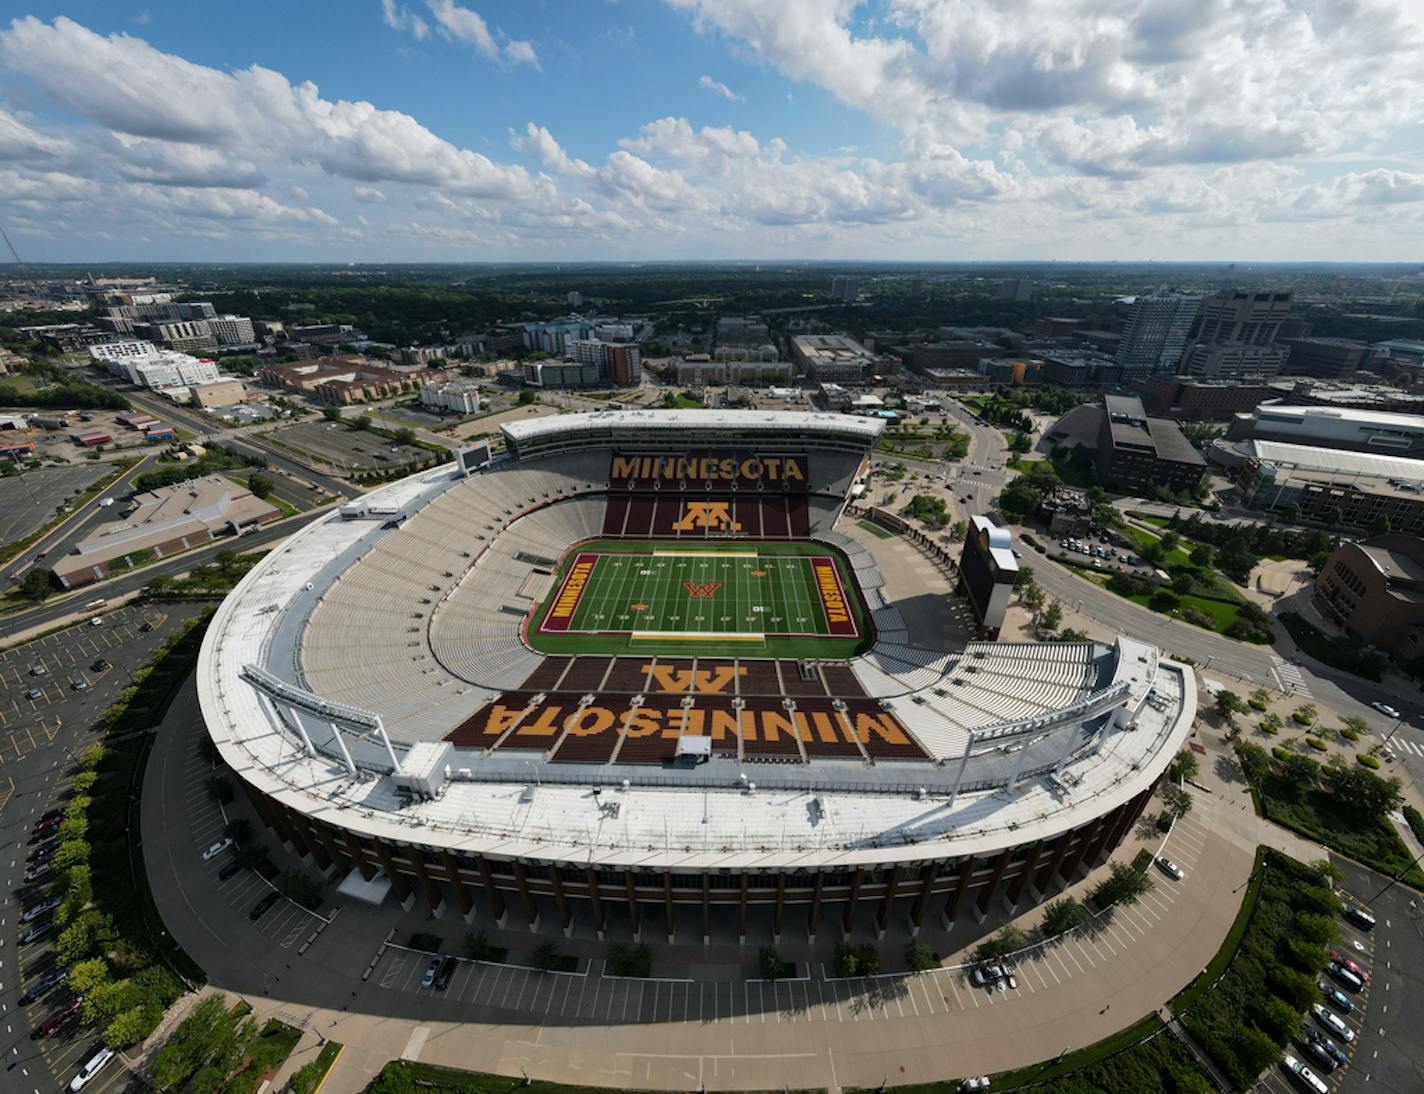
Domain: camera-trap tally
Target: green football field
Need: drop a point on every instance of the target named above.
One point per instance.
(717, 598)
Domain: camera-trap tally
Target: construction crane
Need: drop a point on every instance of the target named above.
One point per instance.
(20, 262)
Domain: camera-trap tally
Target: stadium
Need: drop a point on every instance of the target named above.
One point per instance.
(635, 671)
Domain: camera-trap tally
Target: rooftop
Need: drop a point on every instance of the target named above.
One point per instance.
(669, 421)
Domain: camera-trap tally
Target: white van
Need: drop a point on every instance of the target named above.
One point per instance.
(96, 1064)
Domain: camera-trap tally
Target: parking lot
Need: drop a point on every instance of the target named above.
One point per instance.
(341, 446)
(27, 501)
(1102, 554)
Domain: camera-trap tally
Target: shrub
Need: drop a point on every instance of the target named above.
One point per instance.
(625, 960)
(547, 956)
(770, 965)
(1269, 728)
(1349, 734)
(425, 942)
(478, 947)
(1369, 761)
(1061, 916)
(1317, 744)
(919, 957)
(1416, 822)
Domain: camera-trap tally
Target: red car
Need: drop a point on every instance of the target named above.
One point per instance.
(1340, 959)
(58, 1018)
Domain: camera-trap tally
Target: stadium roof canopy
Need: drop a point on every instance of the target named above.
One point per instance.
(864, 430)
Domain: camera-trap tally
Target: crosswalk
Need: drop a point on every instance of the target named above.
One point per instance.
(1291, 680)
(1404, 744)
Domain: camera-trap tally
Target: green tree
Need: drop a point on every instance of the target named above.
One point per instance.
(1203, 555)
(1019, 498)
(1123, 885)
(1061, 916)
(331, 413)
(87, 976)
(843, 960)
(1228, 705)
(404, 435)
(919, 957)
(1176, 801)
(1023, 577)
(38, 584)
(1009, 939)
(71, 853)
(769, 963)
(260, 485)
(133, 1025)
(1255, 1051)
(239, 830)
(220, 788)
(1277, 1019)
(546, 956)
(1363, 793)
(360, 422)
(1052, 616)
(1255, 760)
(527, 395)
(1183, 766)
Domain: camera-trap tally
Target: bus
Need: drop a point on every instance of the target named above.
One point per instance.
(95, 605)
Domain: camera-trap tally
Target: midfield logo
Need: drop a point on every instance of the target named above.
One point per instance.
(701, 590)
(707, 514)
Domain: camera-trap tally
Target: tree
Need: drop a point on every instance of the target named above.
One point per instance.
(1071, 634)
(1255, 1051)
(1228, 705)
(1299, 773)
(1183, 767)
(527, 395)
(1255, 760)
(1203, 555)
(260, 485)
(919, 957)
(1124, 885)
(227, 557)
(1052, 616)
(1363, 793)
(239, 829)
(547, 956)
(133, 1025)
(72, 853)
(360, 422)
(1276, 1019)
(1176, 801)
(87, 976)
(1032, 596)
(404, 435)
(1024, 577)
(331, 413)
(38, 584)
(1019, 498)
(1061, 916)
(843, 960)
(1009, 939)
(769, 963)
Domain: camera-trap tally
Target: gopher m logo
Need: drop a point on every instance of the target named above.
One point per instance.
(707, 514)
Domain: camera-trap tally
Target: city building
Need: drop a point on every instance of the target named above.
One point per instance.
(1374, 589)
(1400, 351)
(736, 330)
(833, 358)
(1235, 336)
(343, 380)
(845, 289)
(1325, 357)
(67, 337)
(1327, 485)
(162, 522)
(233, 330)
(695, 373)
(175, 373)
(1136, 453)
(177, 334)
(963, 354)
(987, 572)
(617, 363)
(1017, 289)
(1080, 369)
(555, 374)
(1205, 400)
(1156, 333)
(221, 392)
(614, 332)
(460, 396)
(1333, 427)
(554, 336)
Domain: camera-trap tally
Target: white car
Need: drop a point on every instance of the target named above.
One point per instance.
(1170, 868)
(1304, 1076)
(1332, 1022)
(218, 848)
(95, 1065)
(981, 1082)
(1385, 709)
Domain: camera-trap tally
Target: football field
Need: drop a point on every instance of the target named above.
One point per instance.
(705, 593)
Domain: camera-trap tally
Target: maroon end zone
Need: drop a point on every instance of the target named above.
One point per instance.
(839, 620)
(561, 613)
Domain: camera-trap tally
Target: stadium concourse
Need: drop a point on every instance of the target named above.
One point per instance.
(374, 684)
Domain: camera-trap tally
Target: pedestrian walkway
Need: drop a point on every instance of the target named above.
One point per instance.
(1290, 678)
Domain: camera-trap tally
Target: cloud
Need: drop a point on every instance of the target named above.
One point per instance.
(460, 24)
(369, 194)
(19, 142)
(719, 88)
(399, 17)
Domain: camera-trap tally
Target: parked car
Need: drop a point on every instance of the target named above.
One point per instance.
(1323, 1059)
(432, 971)
(33, 693)
(100, 665)
(446, 974)
(1358, 916)
(92, 1067)
(983, 976)
(43, 986)
(38, 870)
(218, 848)
(145, 627)
(1303, 1076)
(1345, 976)
(1354, 966)
(1335, 1052)
(38, 669)
(1335, 997)
(1333, 1023)
(262, 907)
(980, 1082)
(40, 909)
(79, 684)
(58, 1018)
(1170, 868)
(229, 870)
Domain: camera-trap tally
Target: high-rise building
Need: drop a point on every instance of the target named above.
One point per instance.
(1017, 289)
(1156, 333)
(845, 289)
(232, 330)
(615, 362)
(1236, 336)
(1325, 356)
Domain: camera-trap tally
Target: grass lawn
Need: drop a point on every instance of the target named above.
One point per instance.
(267, 1053)
(683, 401)
(1221, 612)
(701, 596)
(875, 529)
(307, 1078)
(1318, 816)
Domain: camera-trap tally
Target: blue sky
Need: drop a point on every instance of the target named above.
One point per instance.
(390, 130)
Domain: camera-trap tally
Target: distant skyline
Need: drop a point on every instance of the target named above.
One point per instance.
(899, 130)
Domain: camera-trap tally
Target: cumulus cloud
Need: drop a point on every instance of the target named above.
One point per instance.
(399, 17)
(461, 24)
(717, 87)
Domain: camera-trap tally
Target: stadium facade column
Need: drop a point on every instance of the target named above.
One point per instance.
(1049, 871)
(561, 900)
(1016, 887)
(634, 915)
(706, 908)
(667, 904)
(531, 906)
(990, 889)
(779, 909)
(922, 898)
(848, 916)
(329, 848)
(463, 896)
(400, 884)
(956, 896)
(344, 844)
(1069, 871)
(434, 895)
(815, 904)
(595, 900)
(887, 902)
(496, 898)
(742, 912)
